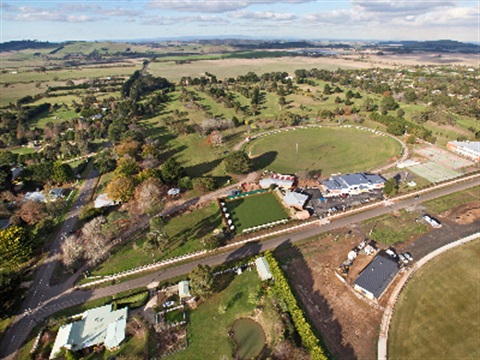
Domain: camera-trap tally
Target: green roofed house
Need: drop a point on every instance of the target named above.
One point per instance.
(263, 268)
(97, 326)
(184, 289)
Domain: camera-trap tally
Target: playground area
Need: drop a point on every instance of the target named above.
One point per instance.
(444, 157)
(246, 212)
(434, 172)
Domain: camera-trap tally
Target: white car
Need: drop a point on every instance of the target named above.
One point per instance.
(168, 304)
(408, 256)
(391, 253)
(403, 259)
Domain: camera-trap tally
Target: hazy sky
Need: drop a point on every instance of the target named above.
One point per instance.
(304, 19)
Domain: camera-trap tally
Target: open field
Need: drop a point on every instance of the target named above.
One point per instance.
(255, 210)
(451, 201)
(395, 228)
(323, 150)
(184, 232)
(225, 68)
(437, 315)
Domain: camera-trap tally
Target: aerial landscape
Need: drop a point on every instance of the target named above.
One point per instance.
(276, 179)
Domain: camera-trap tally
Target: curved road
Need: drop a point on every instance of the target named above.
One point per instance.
(24, 323)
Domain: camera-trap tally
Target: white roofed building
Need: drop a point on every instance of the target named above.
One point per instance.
(468, 149)
(263, 268)
(97, 326)
(295, 200)
(283, 181)
(352, 184)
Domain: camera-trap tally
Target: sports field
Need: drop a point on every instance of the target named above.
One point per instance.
(255, 210)
(323, 150)
(438, 313)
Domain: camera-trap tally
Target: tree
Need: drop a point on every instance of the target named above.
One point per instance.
(5, 178)
(10, 281)
(201, 281)
(15, 246)
(72, 251)
(32, 212)
(391, 187)
(126, 167)
(95, 241)
(128, 146)
(237, 162)
(204, 184)
(62, 173)
(105, 162)
(121, 189)
(149, 195)
(327, 89)
(211, 242)
(172, 171)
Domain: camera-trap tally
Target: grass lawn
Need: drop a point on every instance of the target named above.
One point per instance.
(324, 150)
(391, 229)
(437, 315)
(208, 328)
(255, 210)
(450, 201)
(185, 233)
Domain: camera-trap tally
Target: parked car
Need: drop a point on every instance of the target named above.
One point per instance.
(403, 259)
(391, 253)
(408, 256)
(168, 304)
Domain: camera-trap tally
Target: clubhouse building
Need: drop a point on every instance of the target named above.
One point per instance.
(352, 184)
(468, 149)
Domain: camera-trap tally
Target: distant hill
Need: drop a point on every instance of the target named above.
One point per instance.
(26, 44)
(432, 46)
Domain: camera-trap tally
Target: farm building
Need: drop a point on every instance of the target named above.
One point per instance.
(263, 268)
(377, 276)
(468, 149)
(295, 200)
(352, 183)
(283, 181)
(97, 326)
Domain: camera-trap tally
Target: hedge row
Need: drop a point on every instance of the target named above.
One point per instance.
(309, 340)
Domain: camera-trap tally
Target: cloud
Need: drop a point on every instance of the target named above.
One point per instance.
(70, 13)
(214, 6)
(172, 20)
(397, 13)
(265, 15)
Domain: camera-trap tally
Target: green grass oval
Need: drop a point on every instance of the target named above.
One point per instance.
(250, 338)
(437, 315)
(323, 150)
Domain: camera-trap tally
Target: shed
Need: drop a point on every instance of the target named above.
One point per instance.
(377, 276)
(35, 196)
(263, 268)
(184, 289)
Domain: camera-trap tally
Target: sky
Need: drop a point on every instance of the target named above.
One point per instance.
(52, 20)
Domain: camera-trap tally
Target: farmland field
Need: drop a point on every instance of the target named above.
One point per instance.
(255, 210)
(437, 315)
(323, 150)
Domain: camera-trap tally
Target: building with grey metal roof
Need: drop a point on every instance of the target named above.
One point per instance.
(352, 183)
(377, 276)
(295, 199)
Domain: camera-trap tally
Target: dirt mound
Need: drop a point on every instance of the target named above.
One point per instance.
(465, 213)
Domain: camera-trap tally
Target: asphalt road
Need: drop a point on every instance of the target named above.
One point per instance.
(24, 324)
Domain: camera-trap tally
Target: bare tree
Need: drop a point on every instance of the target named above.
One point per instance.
(72, 251)
(32, 212)
(94, 240)
(149, 195)
(216, 138)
